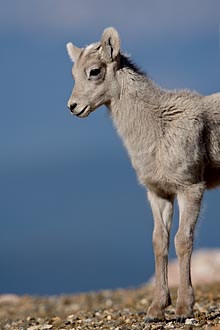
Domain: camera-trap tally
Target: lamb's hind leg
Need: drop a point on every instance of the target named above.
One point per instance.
(162, 208)
(189, 205)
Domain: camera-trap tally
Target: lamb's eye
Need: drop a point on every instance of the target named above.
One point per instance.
(95, 72)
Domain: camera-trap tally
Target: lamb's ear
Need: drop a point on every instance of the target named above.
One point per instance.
(110, 42)
(73, 51)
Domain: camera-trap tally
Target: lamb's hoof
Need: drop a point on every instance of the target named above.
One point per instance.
(180, 319)
(153, 320)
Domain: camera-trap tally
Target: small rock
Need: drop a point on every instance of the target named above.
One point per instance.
(157, 327)
(33, 327)
(108, 303)
(40, 327)
(71, 317)
(31, 319)
(143, 301)
(190, 321)
(56, 319)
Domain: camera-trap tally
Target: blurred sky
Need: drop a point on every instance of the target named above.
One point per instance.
(73, 217)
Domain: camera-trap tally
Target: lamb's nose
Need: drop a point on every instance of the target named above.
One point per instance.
(72, 106)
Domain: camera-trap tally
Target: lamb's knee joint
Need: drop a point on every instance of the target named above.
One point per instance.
(160, 243)
(183, 242)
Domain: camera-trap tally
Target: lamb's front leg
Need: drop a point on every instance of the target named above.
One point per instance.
(162, 208)
(189, 205)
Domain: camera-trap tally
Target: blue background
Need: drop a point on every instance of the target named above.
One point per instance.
(73, 217)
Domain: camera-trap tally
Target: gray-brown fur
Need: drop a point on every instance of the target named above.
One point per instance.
(173, 140)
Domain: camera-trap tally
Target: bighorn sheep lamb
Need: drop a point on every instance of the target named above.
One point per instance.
(173, 140)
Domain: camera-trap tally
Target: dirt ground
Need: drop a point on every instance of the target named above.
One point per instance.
(107, 310)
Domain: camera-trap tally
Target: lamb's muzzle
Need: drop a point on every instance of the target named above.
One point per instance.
(81, 112)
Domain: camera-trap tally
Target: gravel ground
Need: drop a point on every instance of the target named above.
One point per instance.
(107, 310)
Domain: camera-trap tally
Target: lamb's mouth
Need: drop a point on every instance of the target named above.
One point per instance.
(82, 112)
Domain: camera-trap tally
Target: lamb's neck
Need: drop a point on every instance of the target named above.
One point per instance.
(134, 114)
(137, 104)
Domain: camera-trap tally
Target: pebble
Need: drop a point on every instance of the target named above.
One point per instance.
(190, 321)
(170, 325)
(40, 327)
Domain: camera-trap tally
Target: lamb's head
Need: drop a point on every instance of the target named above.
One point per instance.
(94, 72)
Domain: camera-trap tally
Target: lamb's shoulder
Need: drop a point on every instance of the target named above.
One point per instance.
(180, 106)
(182, 124)
(179, 146)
